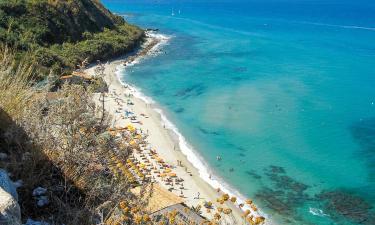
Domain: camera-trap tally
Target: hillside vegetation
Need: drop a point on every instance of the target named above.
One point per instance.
(62, 34)
(59, 140)
(60, 144)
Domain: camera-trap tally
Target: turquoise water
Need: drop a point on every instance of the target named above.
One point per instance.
(282, 91)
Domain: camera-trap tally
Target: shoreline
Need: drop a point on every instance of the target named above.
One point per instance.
(164, 136)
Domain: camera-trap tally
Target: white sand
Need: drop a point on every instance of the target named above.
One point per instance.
(161, 140)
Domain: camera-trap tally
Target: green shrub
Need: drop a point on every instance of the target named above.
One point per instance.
(61, 34)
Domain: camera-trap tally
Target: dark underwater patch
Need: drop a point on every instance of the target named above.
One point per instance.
(233, 146)
(195, 90)
(342, 204)
(275, 169)
(253, 174)
(205, 131)
(240, 69)
(285, 194)
(241, 148)
(179, 110)
(363, 133)
(238, 78)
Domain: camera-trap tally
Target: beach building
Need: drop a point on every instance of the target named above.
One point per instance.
(84, 79)
(163, 203)
(77, 78)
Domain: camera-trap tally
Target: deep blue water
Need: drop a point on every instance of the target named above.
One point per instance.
(283, 90)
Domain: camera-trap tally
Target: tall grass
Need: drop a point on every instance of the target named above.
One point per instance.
(15, 83)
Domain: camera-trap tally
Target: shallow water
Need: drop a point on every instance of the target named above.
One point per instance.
(283, 92)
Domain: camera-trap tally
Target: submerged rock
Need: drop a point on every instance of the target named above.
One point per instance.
(345, 204)
(284, 195)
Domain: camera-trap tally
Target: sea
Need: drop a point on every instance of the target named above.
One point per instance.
(283, 91)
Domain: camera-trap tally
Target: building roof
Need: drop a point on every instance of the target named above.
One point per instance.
(66, 77)
(77, 74)
(160, 198)
(184, 215)
(82, 74)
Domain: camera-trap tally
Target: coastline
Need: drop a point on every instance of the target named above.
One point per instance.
(165, 138)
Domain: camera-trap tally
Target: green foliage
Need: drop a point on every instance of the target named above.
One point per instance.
(61, 34)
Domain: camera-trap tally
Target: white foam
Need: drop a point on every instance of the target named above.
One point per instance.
(185, 147)
(317, 212)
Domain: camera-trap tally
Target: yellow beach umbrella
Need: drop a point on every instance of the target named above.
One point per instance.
(225, 197)
(227, 211)
(130, 128)
(138, 136)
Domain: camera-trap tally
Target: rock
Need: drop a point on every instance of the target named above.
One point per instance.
(39, 191)
(7, 185)
(34, 222)
(18, 183)
(42, 201)
(39, 194)
(10, 212)
(26, 156)
(3, 156)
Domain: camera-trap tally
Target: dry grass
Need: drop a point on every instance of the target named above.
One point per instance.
(14, 83)
(60, 145)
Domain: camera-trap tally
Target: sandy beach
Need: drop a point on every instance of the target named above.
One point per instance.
(145, 118)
